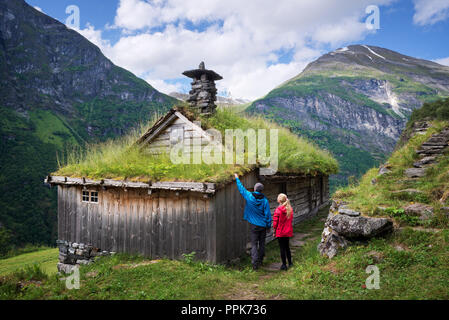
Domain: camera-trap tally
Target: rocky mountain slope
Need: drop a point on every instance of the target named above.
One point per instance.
(56, 89)
(355, 102)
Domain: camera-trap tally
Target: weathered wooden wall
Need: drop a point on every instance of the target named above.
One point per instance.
(169, 224)
(158, 225)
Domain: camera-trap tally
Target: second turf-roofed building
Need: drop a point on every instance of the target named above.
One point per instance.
(130, 196)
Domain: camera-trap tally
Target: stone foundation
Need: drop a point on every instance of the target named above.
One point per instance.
(72, 254)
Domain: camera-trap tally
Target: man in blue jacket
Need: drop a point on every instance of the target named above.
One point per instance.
(258, 214)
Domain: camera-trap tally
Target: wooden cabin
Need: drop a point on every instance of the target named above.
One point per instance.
(169, 219)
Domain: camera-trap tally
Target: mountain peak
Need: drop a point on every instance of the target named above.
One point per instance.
(361, 57)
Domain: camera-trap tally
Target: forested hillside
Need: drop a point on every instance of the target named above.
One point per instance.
(57, 90)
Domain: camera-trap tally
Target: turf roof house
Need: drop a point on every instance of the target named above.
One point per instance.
(169, 219)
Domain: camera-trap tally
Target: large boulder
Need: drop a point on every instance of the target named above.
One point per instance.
(359, 227)
(344, 225)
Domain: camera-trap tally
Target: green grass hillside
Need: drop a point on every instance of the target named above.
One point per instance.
(46, 258)
(412, 265)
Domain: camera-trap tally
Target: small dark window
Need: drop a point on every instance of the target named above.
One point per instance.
(85, 196)
(94, 197)
(90, 196)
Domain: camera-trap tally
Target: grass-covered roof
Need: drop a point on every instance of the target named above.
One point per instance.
(123, 159)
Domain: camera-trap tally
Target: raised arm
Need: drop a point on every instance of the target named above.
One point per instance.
(245, 193)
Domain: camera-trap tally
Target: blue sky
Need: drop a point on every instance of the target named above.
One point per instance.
(255, 45)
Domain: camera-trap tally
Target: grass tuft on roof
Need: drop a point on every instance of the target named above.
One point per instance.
(122, 159)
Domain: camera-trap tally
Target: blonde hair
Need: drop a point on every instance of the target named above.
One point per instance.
(282, 198)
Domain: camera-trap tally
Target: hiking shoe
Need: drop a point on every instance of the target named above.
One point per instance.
(283, 267)
(255, 267)
(290, 265)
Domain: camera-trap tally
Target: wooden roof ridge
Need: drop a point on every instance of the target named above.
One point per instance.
(202, 187)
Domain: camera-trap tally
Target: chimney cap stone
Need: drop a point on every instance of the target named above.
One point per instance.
(197, 73)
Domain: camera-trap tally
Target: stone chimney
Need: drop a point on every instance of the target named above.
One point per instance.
(204, 93)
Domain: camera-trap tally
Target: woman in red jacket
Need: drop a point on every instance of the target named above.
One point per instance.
(283, 229)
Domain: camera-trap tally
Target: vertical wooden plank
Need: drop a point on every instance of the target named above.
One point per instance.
(210, 234)
(61, 218)
(169, 227)
(163, 225)
(204, 229)
(155, 228)
(184, 224)
(191, 224)
(72, 215)
(188, 243)
(133, 220)
(77, 201)
(115, 220)
(176, 227)
(221, 226)
(147, 228)
(120, 225)
(106, 211)
(99, 214)
(141, 224)
(127, 230)
(111, 207)
(84, 221)
(121, 220)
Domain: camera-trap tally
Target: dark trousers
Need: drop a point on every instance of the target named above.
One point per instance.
(258, 235)
(284, 245)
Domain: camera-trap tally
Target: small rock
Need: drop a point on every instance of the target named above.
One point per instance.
(373, 181)
(407, 191)
(376, 256)
(349, 212)
(419, 209)
(415, 172)
(330, 243)
(384, 170)
(66, 268)
(445, 211)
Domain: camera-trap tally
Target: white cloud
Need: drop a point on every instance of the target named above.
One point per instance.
(428, 12)
(240, 40)
(164, 86)
(443, 61)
